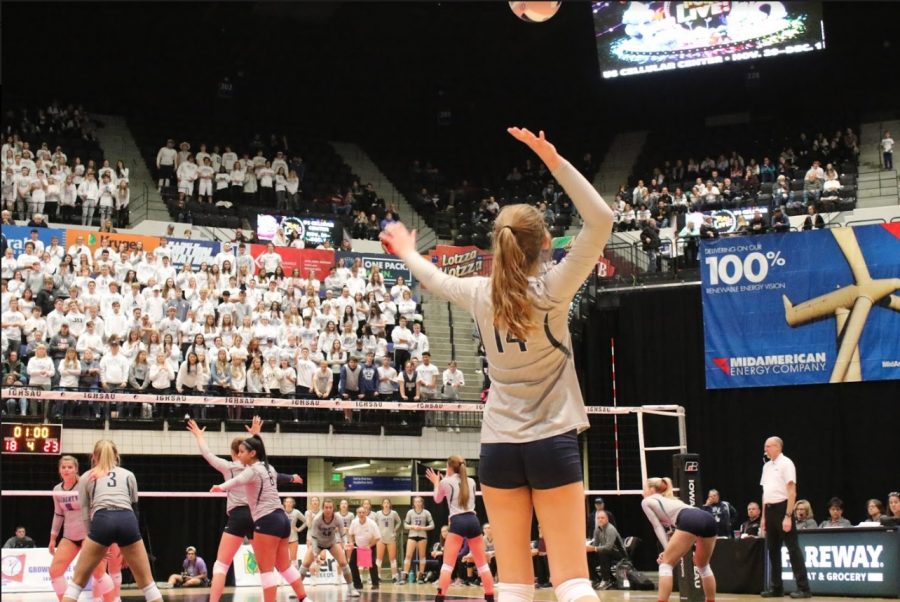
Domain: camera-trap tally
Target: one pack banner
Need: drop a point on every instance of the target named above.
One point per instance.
(17, 236)
(320, 260)
(461, 261)
(390, 266)
(92, 239)
(802, 308)
(194, 252)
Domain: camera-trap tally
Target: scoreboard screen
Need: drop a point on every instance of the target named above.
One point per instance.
(44, 439)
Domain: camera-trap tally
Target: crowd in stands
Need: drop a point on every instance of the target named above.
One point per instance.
(52, 166)
(807, 176)
(120, 319)
(228, 185)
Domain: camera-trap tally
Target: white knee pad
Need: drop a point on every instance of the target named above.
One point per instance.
(574, 589)
(221, 568)
(102, 585)
(73, 590)
(484, 569)
(515, 592)
(59, 585)
(151, 592)
(665, 570)
(446, 568)
(290, 574)
(269, 579)
(705, 571)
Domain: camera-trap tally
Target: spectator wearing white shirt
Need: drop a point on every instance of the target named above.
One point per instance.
(114, 368)
(453, 380)
(269, 261)
(40, 369)
(887, 150)
(161, 374)
(89, 339)
(187, 175)
(165, 164)
(418, 343)
(426, 379)
(266, 176)
(153, 305)
(398, 289)
(89, 191)
(205, 174)
(407, 308)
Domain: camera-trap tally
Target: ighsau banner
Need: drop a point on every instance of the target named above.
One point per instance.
(802, 308)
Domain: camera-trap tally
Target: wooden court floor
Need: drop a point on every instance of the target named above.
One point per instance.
(387, 593)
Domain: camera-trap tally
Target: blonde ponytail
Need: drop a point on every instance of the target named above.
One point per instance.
(662, 486)
(104, 458)
(519, 235)
(458, 464)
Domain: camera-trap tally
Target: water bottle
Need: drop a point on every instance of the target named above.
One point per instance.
(625, 583)
(411, 577)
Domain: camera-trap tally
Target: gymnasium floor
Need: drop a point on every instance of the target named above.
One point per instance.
(387, 593)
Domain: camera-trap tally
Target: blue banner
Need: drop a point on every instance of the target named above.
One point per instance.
(17, 236)
(802, 308)
(378, 483)
(390, 266)
(192, 251)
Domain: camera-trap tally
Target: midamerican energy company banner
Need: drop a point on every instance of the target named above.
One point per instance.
(802, 308)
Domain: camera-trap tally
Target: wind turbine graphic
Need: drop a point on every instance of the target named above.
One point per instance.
(849, 305)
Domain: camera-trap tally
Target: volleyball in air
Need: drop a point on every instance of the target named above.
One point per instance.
(534, 12)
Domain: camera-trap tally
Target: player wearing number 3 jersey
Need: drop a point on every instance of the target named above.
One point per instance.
(534, 412)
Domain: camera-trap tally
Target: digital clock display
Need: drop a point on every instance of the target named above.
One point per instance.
(32, 438)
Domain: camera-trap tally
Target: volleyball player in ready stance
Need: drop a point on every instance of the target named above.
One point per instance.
(691, 525)
(529, 437)
(459, 490)
(388, 522)
(271, 528)
(108, 495)
(67, 516)
(239, 524)
(326, 532)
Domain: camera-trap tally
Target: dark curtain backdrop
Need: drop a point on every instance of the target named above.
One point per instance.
(168, 525)
(842, 438)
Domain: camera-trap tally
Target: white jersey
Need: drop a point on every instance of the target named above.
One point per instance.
(346, 519)
(387, 524)
(419, 519)
(449, 488)
(116, 490)
(298, 523)
(229, 469)
(662, 512)
(325, 534)
(67, 514)
(259, 482)
(534, 388)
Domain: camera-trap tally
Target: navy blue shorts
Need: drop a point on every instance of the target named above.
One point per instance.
(465, 525)
(276, 524)
(696, 522)
(240, 523)
(114, 526)
(542, 464)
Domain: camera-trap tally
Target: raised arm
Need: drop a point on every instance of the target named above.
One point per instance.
(216, 462)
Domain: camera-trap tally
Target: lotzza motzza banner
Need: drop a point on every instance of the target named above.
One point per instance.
(802, 308)
(461, 261)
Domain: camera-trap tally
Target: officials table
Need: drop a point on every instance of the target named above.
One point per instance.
(857, 561)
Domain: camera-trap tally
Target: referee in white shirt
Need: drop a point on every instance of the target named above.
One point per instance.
(779, 483)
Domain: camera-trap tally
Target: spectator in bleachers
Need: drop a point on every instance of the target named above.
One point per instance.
(650, 243)
(813, 218)
(758, 224)
(780, 222)
(19, 540)
(887, 151)
(165, 164)
(453, 380)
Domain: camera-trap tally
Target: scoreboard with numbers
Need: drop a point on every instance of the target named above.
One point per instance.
(32, 438)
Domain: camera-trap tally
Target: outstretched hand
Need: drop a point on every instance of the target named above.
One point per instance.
(434, 477)
(255, 427)
(539, 144)
(397, 240)
(195, 428)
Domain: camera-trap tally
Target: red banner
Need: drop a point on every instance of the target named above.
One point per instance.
(320, 260)
(461, 261)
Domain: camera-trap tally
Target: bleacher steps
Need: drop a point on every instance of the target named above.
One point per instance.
(363, 166)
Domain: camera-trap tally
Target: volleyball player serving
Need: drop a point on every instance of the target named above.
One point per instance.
(240, 523)
(691, 525)
(459, 490)
(271, 528)
(530, 459)
(67, 516)
(108, 495)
